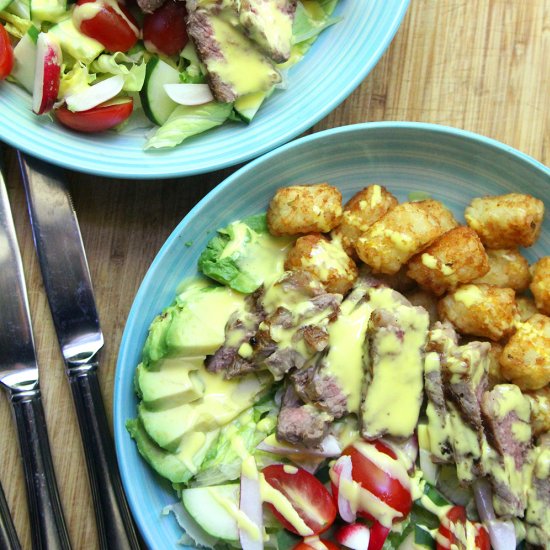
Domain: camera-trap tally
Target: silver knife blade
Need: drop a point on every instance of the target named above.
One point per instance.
(18, 367)
(64, 266)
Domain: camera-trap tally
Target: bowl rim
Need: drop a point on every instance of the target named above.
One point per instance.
(119, 429)
(141, 171)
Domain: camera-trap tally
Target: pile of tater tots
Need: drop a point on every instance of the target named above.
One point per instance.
(473, 275)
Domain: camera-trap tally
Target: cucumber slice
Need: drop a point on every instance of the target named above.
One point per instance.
(205, 506)
(423, 538)
(156, 103)
(248, 105)
(24, 57)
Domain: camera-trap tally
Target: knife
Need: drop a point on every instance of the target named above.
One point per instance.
(19, 376)
(69, 289)
(8, 534)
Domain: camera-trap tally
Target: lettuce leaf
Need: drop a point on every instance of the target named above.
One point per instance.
(131, 68)
(307, 26)
(15, 25)
(186, 121)
(75, 80)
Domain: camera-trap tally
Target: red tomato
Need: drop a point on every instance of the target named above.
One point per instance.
(165, 30)
(454, 526)
(98, 118)
(117, 30)
(6, 53)
(308, 496)
(305, 546)
(378, 536)
(377, 481)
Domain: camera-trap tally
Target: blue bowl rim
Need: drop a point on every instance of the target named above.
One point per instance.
(120, 432)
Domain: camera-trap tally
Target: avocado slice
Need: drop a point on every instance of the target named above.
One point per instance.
(174, 381)
(176, 467)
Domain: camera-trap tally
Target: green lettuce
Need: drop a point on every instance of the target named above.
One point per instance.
(131, 68)
(186, 121)
(307, 27)
(74, 80)
(15, 25)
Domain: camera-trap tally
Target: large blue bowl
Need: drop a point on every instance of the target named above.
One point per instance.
(450, 165)
(339, 60)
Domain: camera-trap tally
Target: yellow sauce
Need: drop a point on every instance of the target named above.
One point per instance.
(469, 295)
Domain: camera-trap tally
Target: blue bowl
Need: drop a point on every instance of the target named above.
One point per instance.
(336, 64)
(451, 165)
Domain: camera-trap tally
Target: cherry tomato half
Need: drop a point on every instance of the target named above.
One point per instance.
(305, 546)
(308, 496)
(165, 30)
(112, 25)
(6, 53)
(378, 536)
(377, 481)
(454, 529)
(100, 118)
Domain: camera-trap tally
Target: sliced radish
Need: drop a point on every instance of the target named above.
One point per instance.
(96, 94)
(342, 468)
(355, 536)
(189, 94)
(329, 448)
(251, 505)
(47, 74)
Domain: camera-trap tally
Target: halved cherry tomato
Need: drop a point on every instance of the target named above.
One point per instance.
(165, 30)
(6, 53)
(378, 536)
(455, 527)
(305, 546)
(112, 25)
(100, 118)
(308, 496)
(378, 481)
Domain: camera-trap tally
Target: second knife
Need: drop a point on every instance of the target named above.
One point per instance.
(69, 289)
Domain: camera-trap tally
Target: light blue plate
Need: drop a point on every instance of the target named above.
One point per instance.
(450, 165)
(340, 59)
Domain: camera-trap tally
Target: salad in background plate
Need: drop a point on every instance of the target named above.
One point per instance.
(179, 67)
(319, 393)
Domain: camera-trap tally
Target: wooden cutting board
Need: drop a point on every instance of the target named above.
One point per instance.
(481, 65)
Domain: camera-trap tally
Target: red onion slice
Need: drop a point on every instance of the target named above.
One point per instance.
(342, 468)
(329, 448)
(251, 505)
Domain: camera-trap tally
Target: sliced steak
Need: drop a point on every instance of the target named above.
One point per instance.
(394, 368)
(149, 6)
(269, 24)
(300, 423)
(507, 413)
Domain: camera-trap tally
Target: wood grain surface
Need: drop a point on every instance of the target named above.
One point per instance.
(481, 65)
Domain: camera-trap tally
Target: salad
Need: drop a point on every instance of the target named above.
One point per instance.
(369, 375)
(174, 68)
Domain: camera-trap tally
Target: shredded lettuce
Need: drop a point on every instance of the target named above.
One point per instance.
(307, 26)
(15, 25)
(131, 68)
(76, 79)
(186, 121)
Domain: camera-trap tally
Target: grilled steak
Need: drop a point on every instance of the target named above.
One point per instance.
(149, 6)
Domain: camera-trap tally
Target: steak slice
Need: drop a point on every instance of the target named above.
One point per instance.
(233, 63)
(149, 6)
(507, 414)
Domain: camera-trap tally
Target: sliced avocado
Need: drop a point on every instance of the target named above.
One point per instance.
(176, 467)
(194, 326)
(73, 42)
(209, 508)
(173, 382)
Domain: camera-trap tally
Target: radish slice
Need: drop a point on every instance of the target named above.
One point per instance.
(251, 506)
(329, 448)
(47, 74)
(189, 94)
(342, 468)
(96, 94)
(355, 536)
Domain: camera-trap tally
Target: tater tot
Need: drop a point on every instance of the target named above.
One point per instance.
(302, 209)
(481, 310)
(324, 259)
(507, 269)
(455, 258)
(506, 221)
(540, 286)
(540, 410)
(525, 359)
(494, 371)
(526, 308)
(426, 300)
(360, 212)
(440, 212)
(396, 237)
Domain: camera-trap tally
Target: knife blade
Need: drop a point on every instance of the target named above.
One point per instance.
(69, 289)
(19, 377)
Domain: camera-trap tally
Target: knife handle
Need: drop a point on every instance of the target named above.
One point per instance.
(8, 534)
(114, 521)
(46, 515)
